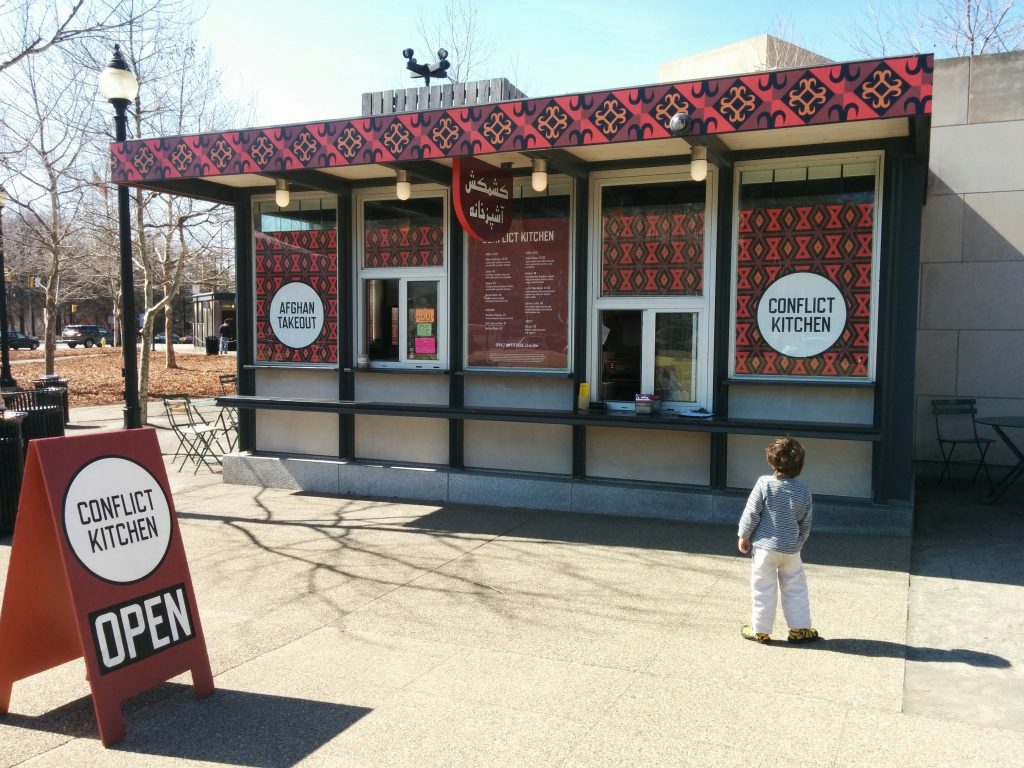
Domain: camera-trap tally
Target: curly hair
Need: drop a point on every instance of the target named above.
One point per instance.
(786, 456)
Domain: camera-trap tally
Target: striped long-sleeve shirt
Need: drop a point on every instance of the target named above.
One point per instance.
(778, 514)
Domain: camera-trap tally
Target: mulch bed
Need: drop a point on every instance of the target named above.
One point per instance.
(94, 375)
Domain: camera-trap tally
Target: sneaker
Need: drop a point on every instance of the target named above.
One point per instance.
(806, 635)
(758, 637)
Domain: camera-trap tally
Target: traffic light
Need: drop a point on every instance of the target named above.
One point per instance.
(31, 281)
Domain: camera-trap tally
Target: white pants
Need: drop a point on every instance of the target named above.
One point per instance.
(770, 571)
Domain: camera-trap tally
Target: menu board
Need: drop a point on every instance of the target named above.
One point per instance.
(518, 308)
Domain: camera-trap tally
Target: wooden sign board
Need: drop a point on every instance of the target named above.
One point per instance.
(98, 570)
(483, 198)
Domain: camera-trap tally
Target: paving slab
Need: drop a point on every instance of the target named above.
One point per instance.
(371, 633)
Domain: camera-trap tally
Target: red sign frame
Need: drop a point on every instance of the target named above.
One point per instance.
(483, 198)
(57, 607)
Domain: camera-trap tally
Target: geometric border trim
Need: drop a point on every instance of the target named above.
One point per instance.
(836, 93)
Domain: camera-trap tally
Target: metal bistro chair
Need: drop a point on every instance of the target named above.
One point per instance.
(229, 386)
(954, 424)
(196, 440)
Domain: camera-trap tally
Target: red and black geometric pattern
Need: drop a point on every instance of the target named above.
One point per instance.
(833, 239)
(285, 257)
(837, 93)
(387, 244)
(654, 250)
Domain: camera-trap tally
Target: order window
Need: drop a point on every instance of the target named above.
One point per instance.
(403, 282)
(651, 282)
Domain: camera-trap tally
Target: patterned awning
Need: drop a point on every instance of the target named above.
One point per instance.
(837, 93)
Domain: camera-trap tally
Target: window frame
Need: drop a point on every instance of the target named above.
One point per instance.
(404, 275)
(703, 306)
(265, 204)
(810, 161)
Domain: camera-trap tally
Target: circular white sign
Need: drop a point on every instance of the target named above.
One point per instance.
(117, 520)
(801, 314)
(297, 315)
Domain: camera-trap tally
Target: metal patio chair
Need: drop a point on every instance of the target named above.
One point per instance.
(955, 425)
(196, 439)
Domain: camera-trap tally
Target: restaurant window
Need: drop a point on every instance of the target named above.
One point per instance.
(651, 284)
(805, 269)
(296, 281)
(403, 282)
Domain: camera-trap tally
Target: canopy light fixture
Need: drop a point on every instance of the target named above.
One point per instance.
(699, 163)
(539, 178)
(403, 188)
(282, 195)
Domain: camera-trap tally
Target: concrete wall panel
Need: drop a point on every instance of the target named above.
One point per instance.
(648, 454)
(310, 434)
(416, 388)
(802, 403)
(993, 227)
(977, 158)
(942, 229)
(402, 439)
(519, 392)
(952, 78)
(935, 370)
(521, 447)
(977, 296)
(997, 88)
(991, 363)
(833, 467)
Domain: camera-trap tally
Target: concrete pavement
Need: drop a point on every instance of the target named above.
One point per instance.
(347, 632)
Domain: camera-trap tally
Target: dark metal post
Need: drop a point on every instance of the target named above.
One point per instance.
(6, 380)
(132, 412)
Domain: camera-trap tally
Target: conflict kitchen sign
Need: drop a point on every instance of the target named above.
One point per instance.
(518, 305)
(296, 297)
(98, 570)
(804, 281)
(483, 198)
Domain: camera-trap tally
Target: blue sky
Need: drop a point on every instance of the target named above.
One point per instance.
(311, 59)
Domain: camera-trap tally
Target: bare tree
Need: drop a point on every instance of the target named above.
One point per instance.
(456, 28)
(947, 27)
(32, 27)
(42, 139)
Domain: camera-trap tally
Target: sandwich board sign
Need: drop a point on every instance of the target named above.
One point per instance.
(98, 570)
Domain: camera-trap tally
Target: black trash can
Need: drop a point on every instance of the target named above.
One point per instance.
(11, 468)
(212, 345)
(56, 382)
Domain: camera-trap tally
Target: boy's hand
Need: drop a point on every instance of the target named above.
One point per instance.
(743, 545)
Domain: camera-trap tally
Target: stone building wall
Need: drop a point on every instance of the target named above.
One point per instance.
(970, 340)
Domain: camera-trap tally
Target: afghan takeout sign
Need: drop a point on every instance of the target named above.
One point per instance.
(483, 198)
(297, 315)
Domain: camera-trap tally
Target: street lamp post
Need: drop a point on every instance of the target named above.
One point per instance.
(119, 86)
(6, 380)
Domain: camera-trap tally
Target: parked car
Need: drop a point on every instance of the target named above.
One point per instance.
(18, 340)
(161, 338)
(86, 335)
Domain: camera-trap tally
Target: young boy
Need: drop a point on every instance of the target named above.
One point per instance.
(776, 522)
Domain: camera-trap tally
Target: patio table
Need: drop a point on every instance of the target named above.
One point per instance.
(998, 423)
